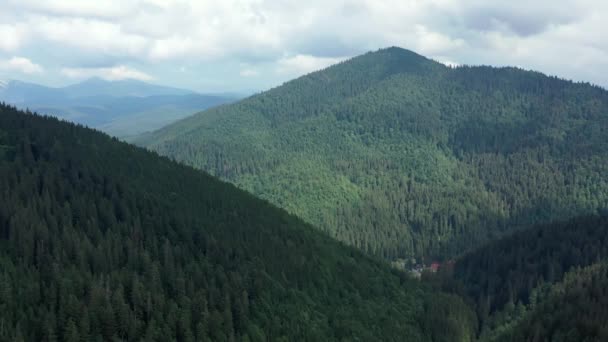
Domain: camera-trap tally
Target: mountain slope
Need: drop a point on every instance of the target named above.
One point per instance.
(100, 240)
(513, 275)
(401, 156)
(574, 310)
(120, 108)
(544, 283)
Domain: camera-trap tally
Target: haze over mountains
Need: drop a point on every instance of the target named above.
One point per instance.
(121, 108)
(403, 157)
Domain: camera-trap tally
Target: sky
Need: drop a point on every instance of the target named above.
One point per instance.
(252, 45)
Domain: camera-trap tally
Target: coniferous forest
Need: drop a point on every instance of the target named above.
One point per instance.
(103, 241)
(498, 176)
(402, 157)
(545, 283)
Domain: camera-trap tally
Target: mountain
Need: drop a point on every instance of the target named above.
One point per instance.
(23, 92)
(516, 269)
(544, 283)
(101, 240)
(120, 108)
(574, 310)
(99, 87)
(404, 157)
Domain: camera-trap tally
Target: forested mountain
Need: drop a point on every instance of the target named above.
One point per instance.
(509, 279)
(120, 108)
(100, 240)
(574, 310)
(401, 156)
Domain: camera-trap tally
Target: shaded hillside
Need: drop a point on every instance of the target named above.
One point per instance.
(574, 310)
(507, 277)
(100, 240)
(401, 156)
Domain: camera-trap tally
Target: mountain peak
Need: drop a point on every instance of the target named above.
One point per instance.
(375, 66)
(401, 52)
(402, 56)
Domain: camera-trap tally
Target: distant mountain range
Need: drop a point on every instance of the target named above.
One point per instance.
(121, 108)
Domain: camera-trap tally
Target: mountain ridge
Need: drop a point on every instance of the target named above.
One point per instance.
(122, 108)
(402, 156)
(101, 240)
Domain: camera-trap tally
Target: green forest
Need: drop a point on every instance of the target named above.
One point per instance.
(401, 156)
(104, 241)
(275, 218)
(530, 283)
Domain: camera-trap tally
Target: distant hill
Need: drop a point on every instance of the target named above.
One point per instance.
(123, 88)
(402, 156)
(121, 108)
(103, 241)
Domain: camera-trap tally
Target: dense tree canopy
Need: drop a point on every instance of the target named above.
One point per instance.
(574, 310)
(518, 283)
(401, 156)
(100, 240)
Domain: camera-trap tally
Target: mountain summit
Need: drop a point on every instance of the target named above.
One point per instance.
(402, 156)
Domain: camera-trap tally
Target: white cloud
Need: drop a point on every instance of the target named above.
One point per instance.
(249, 73)
(120, 72)
(304, 64)
(567, 40)
(11, 37)
(97, 9)
(446, 62)
(88, 34)
(21, 65)
(429, 42)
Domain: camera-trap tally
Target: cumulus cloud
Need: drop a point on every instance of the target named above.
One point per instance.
(249, 73)
(116, 73)
(294, 37)
(304, 64)
(98, 9)
(21, 65)
(11, 37)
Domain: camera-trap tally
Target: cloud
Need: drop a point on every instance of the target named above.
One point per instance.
(304, 64)
(21, 65)
(447, 62)
(95, 9)
(88, 34)
(120, 72)
(293, 37)
(249, 73)
(430, 42)
(11, 37)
